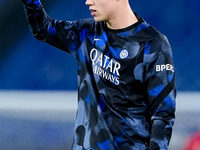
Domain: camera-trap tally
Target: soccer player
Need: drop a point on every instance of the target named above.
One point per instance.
(126, 83)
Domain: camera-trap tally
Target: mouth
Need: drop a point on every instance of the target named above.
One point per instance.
(93, 12)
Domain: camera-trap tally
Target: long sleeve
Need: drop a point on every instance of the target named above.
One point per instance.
(37, 18)
(65, 35)
(41, 25)
(160, 81)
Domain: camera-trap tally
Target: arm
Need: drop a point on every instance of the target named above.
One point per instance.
(160, 81)
(41, 25)
(65, 35)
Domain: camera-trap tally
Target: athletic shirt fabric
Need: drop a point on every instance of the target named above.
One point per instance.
(126, 86)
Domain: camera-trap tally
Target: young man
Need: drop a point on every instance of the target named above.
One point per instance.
(126, 85)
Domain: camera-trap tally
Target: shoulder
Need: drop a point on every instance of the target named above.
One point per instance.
(78, 25)
(152, 33)
(88, 23)
(155, 40)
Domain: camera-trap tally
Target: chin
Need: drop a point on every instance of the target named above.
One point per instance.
(98, 19)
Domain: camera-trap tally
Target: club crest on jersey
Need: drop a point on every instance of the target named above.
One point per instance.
(123, 54)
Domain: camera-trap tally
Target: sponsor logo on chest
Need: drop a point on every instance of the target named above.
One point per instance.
(105, 67)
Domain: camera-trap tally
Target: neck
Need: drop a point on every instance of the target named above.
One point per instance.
(122, 18)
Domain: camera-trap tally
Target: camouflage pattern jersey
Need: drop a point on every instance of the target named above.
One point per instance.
(126, 84)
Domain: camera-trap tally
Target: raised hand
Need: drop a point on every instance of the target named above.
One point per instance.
(32, 3)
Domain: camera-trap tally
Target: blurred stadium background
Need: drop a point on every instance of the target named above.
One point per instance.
(38, 83)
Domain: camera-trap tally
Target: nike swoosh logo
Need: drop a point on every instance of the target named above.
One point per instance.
(97, 39)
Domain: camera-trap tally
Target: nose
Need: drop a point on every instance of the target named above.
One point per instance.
(89, 2)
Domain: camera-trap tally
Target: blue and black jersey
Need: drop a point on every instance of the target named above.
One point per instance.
(126, 84)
